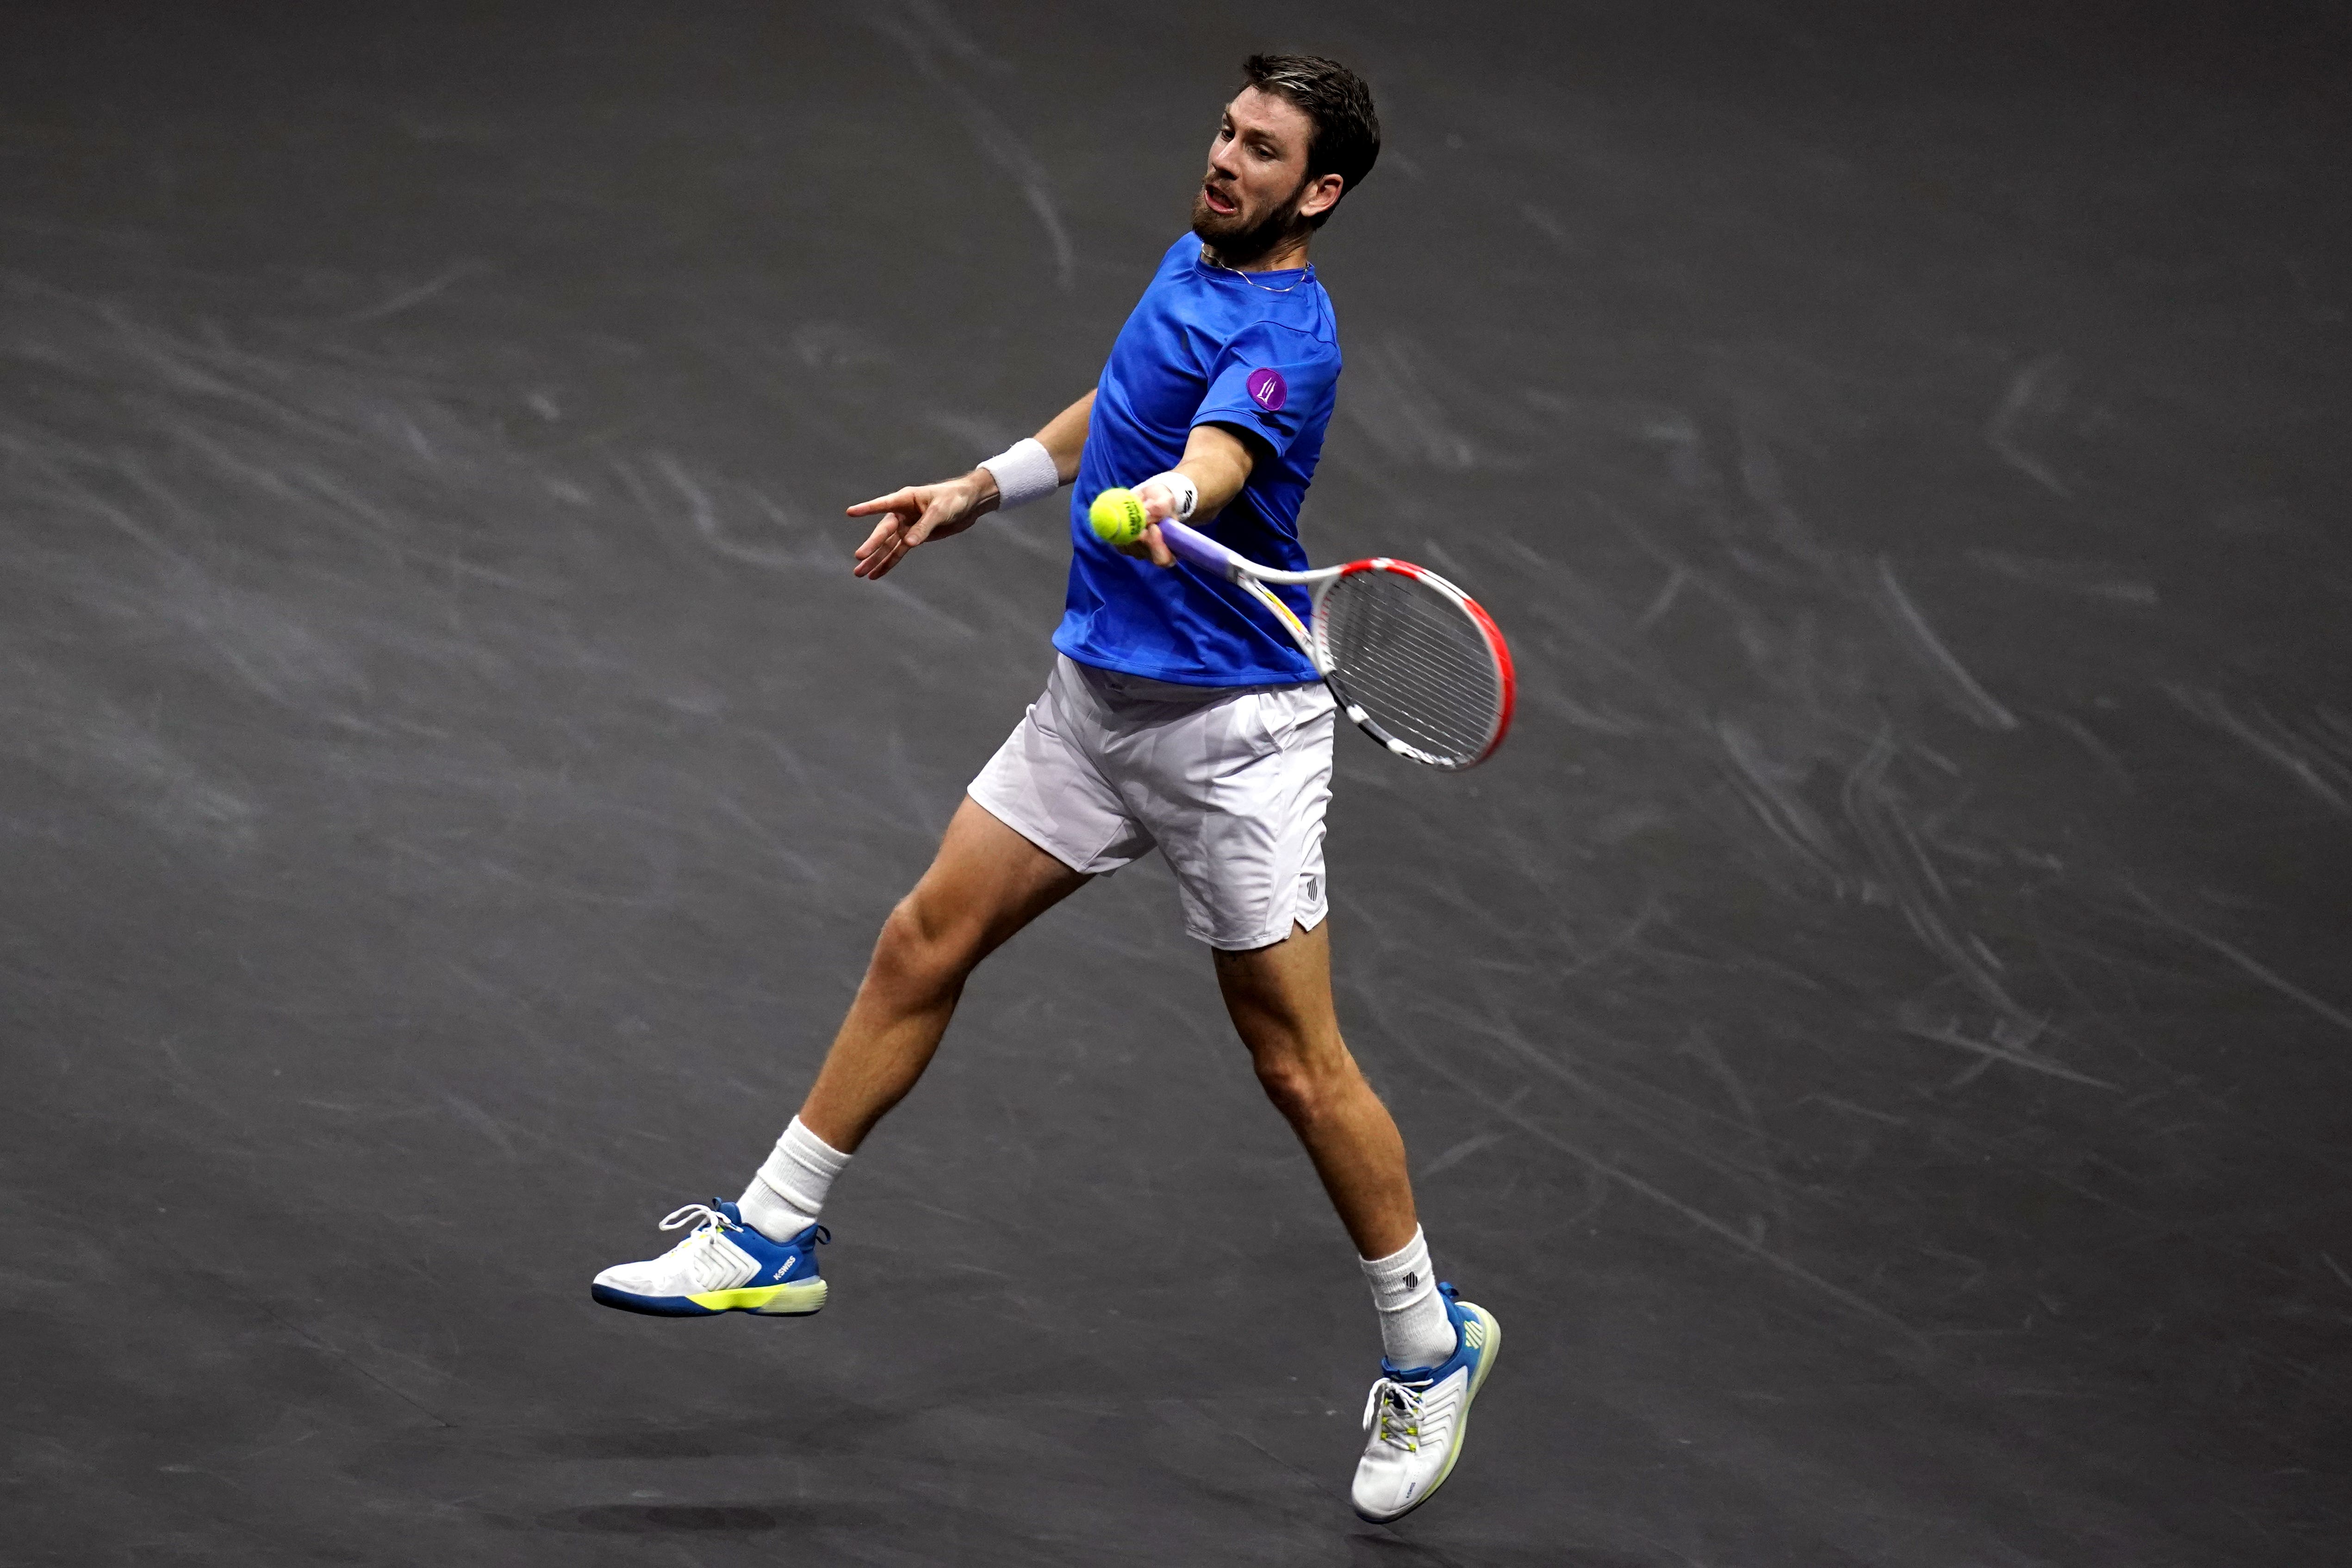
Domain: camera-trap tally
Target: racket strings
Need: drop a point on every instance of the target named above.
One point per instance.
(1413, 677)
(1416, 642)
(1414, 660)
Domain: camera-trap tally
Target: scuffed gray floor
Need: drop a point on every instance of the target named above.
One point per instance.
(1879, 1034)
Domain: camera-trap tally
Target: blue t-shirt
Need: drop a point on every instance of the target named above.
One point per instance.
(1204, 346)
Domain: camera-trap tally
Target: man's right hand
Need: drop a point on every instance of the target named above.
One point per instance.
(919, 514)
(1159, 506)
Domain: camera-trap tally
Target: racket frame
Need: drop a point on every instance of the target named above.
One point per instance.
(1197, 549)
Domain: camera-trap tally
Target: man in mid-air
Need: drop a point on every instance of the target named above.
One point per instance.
(1178, 716)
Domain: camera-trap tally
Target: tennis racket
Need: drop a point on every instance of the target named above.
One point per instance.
(1412, 659)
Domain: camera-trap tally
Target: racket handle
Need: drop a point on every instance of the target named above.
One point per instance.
(1190, 544)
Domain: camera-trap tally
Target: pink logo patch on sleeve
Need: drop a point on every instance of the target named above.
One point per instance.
(1268, 390)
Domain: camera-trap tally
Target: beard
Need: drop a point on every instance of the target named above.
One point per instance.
(1237, 240)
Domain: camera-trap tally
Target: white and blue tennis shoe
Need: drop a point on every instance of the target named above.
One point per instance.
(722, 1265)
(1416, 1419)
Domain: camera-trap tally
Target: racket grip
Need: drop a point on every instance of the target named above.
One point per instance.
(1190, 544)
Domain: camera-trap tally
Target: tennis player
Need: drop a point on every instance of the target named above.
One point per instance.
(1178, 716)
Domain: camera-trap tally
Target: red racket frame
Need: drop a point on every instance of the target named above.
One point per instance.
(1496, 646)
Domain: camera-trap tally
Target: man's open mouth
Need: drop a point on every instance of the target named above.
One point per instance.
(1219, 204)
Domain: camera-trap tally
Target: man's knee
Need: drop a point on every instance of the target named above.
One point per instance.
(922, 943)
(1303, 1089)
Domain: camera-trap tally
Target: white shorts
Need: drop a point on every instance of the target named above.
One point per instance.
(1229, 783)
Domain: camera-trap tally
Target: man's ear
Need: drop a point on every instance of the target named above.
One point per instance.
(1323, 197)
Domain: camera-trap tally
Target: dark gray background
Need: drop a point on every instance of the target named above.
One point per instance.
(1878, 1035)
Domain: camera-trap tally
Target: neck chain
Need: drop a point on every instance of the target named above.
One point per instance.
(1305, 273)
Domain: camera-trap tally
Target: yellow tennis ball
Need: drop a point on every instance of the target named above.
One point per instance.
(1117, 517)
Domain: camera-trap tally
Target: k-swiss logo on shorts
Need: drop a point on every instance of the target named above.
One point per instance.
(1268, 390)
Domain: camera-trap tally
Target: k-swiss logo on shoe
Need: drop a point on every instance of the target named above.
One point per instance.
(784, 1269)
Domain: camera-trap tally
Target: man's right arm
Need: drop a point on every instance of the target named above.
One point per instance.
(920, 513)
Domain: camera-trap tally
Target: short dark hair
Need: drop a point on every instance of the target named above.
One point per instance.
(1346, 139)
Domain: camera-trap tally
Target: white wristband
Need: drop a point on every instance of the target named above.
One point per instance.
(1179, 485)
(1025, 472)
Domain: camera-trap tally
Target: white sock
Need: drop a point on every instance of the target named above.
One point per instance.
(788, 1194)
(1414, 1329)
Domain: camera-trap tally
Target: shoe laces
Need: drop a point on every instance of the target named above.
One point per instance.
(712, 1224)
(1396, 1407)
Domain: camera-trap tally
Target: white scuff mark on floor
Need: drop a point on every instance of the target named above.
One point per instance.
(1903, 616)
(922, 31)
(2306, 761)
(2034, 396)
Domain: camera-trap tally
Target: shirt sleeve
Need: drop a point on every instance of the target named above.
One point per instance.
(1273, 382)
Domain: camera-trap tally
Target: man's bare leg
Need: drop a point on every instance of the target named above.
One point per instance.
(1280, 1000)
(986, 883)
(757, 1253)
